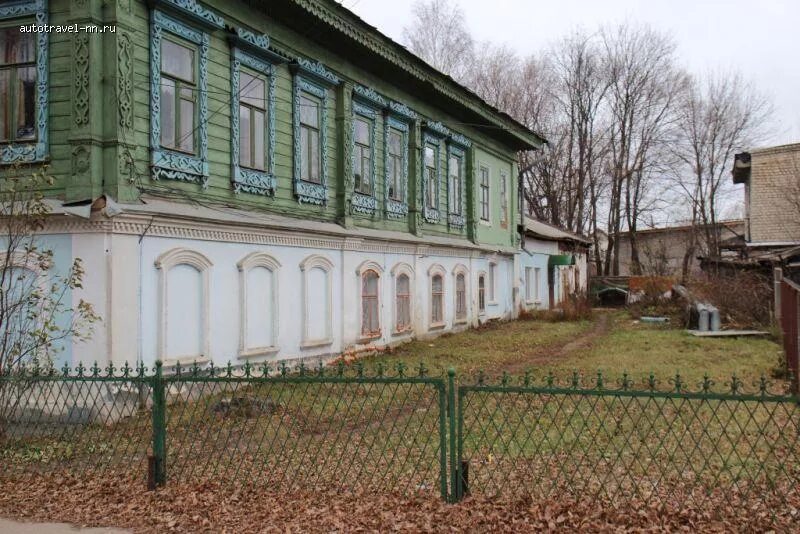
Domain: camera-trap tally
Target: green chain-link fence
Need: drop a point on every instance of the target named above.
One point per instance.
(401, 430)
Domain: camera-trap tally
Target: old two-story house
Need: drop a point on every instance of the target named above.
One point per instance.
(249, 180)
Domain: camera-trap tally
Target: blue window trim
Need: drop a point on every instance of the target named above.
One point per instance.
(457, 146)
(35, 151)
(169, 164)
(400, 117)
(314, 79)
(253, 51)
(434, 133)
(366, 104)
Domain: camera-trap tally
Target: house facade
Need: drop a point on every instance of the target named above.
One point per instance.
(258, 180)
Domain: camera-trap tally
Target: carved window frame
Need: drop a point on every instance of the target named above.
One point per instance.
(164, 263)
(245, 265)
(252, 51)
(456, 218)
(33, 151)
(314, 79)
(434, 134)
(399, 270)
(361, 202)
(361, 271)
(167, 16)
(460, 270)
(398, 117)
(317, 261)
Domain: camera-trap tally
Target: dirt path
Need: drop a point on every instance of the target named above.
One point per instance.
(543, 356)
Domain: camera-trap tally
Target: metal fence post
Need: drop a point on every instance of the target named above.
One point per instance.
(159, 426)
(451, 415)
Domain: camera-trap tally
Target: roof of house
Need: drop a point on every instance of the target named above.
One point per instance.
(345, 29)
(729, 224)
(548, 232)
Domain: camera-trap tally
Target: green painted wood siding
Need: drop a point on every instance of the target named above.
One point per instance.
(111, 153)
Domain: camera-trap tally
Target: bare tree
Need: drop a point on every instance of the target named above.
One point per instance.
(645, 85)
(722, 114)
(36, 310)
(439, 35)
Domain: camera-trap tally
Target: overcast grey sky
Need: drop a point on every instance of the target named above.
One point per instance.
(760, 38)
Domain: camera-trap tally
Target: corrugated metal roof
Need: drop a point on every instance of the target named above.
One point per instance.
(543, 230)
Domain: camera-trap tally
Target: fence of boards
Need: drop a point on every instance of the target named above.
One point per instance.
(625, 442)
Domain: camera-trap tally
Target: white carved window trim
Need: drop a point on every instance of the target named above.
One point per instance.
(434, 270)
(164, 263)
(397, 271)
(369, 265)
(460, 269)
(251, 261)
(321, 262)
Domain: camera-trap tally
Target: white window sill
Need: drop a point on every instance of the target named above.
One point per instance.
(485, 223)
(257, 352)
(313, 343)
(365, 339)
(437, 326)
(185, 361)
(460, 321)
(406, 332)
(491, 303)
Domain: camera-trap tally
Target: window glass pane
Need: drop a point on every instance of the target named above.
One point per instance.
(309, 112)
(26, 104)
(245, 157)
(437, 284)
(395, 142)
(16, 47)
(366, 171)
(430, 160)
(357, 171)
(167, 112)
(5, 92)
(186, 141)
(314, 155)
(362, 132)
(252, 90)
(177, 60)
(258, 140)
(305, 160)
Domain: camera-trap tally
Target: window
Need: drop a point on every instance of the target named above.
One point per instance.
(503, 200)
(431, 178)
(492, 281)
(17, 86)
(403, 303)
(536, 281)
(461, 297)
(252, 121)
(484, 194)
(482, 294)
(310, 148)
(178, 99)
(395, 165)
(178, 93)
(317, 301)
(258, 298)
(528, 284)
(437, 300)
(252, 113)
(24, 85)
(456, 173)
(362, 156)
(370, 311)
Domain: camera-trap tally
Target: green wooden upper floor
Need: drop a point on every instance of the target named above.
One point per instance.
(296, 107)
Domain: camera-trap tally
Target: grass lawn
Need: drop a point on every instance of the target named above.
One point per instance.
(611, 342)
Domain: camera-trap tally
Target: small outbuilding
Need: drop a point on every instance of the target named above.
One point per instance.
(553, 265)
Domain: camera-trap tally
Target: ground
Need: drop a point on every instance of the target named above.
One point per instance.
(314, 420)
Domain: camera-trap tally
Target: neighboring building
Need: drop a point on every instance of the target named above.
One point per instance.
(553, 265)
(662, 250)
(771, 178)
(260, 179)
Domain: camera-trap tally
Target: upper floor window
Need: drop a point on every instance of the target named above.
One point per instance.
(456, 173)
(17, 86)
(362, 155)
(310, 146)
(395, 165)
(24, 87)
(503, 199)
(178, 95)
(431, 177)
(252, 121)
(484, 193)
